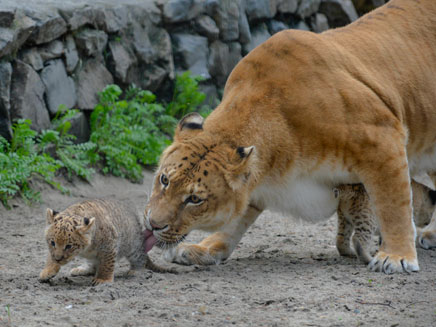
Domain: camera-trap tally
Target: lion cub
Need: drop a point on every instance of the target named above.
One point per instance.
(355, 214)
(99, 230)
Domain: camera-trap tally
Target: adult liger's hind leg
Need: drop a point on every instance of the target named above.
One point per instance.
(385, 175)
(216, 247)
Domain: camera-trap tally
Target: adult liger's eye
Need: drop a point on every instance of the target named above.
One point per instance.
(164, 180)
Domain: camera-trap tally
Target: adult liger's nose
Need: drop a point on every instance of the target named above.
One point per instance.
(157, 226)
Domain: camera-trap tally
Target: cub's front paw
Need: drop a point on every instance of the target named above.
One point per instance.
(47, 274)
(191, 254)
(392, 263)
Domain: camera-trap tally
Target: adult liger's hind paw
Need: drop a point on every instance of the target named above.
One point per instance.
(191, 254)
(392, 263)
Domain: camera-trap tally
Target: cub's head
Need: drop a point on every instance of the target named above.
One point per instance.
(67, 235)
(201, 183)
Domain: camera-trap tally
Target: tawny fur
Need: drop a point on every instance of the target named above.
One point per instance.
(427, 235)
(350, 105)
(357, 221)
(101, 231)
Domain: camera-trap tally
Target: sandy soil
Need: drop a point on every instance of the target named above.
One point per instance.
(283, 273)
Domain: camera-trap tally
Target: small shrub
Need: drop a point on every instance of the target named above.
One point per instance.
(129, 132)
(20, 161)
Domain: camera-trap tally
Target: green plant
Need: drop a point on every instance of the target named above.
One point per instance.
(20, 160)
(126, 133)
(74, 158)
(129, 132)
(186, 97)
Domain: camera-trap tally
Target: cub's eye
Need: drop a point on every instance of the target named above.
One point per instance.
(194, 199)
(164, 180)
(68, 246)
(52, 243)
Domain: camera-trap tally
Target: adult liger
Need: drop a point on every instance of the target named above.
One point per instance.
(301, 113)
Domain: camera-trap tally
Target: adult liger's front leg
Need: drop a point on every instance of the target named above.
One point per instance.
(387, 181)
(216, 247)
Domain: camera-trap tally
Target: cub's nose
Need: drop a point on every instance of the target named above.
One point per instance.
(156, 226)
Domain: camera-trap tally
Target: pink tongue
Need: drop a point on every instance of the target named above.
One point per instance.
(150, 240)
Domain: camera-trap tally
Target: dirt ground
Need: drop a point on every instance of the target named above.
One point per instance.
(283, 273)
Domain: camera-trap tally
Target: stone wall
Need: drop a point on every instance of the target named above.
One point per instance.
(55, 52)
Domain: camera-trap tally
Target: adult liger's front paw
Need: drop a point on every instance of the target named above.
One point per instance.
(392, 263)
(191, 254)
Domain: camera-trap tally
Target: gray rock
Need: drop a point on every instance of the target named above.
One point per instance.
(5, 106)
(162, 47)
(91, 42)
(206, 26)
(244, 27)
(211, 93)
(54, 49)
(27, 96)
(218, 62)
(80, 128)
(111, 20)
(287, 6)
(91, 79)
(7, 16)
(121, 60)
(12, 39)
(260, 9)
(78, 17)
(191, 52)
(339, 12)
(308, 8)
(259, 35)
(176, 11)
(7, 37)
(226, 15)
(59, 88)
(235, 55)
(49, 26)
(33, 58)
(154, 77)
(275, 26)
(320, 23)
(142, 44)
(302, 26)
(71, 54)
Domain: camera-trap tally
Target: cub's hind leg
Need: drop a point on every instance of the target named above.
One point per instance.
(343, 236)
(383, 170)
(105, 267)
(365, 228)
(86, 269)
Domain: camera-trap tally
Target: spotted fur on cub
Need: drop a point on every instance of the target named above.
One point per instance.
(100, 231)
(356, 215)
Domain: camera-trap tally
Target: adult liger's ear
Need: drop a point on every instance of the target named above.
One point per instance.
(50, 214)
(189, 126)
(242, 167)
(86, 225)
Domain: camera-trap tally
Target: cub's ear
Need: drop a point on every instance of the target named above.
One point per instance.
(189, 126)
(86, 225)
(50, 214)
(242, 167)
